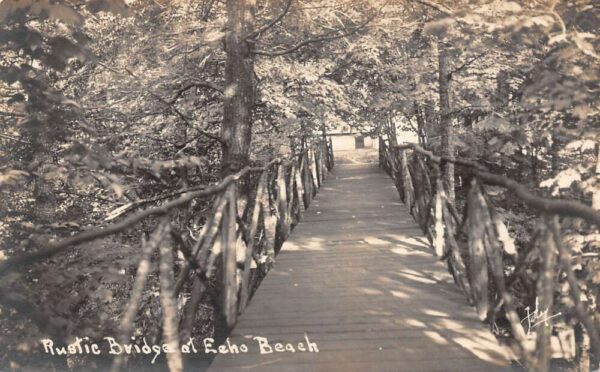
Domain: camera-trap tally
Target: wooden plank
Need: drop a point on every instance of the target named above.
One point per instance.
(357, 278)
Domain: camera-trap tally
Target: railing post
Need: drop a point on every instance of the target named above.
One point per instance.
(324, 151)
(380, 153)
(306, 179)
(282, 201)
(324, 158)
(478, 260)
(260, 190)
(299, 186)
(385, 157)
(330, 152)
(169, 303)
(292, 202)
(317, 156)
(229, 252)
(406, 179)
(579, 307)
(439, 225)
(269, 220)
(392, 158)
(494, 245)
(545, 293)
(313, 169)
(457, 264)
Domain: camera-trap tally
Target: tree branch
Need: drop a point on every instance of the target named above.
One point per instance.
(14, 138)
(118, 212)
(170, 105)
(206, 10)
(440, 8)
(15, 114)
(325, 37)
(467, 63)
(189, 86)
(267, 26)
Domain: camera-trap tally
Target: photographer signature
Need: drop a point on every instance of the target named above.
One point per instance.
(537, 317)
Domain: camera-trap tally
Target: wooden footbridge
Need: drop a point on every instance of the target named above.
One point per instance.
(381, 270)
(357, 279)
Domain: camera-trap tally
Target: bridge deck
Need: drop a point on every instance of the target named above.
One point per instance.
(357, 278)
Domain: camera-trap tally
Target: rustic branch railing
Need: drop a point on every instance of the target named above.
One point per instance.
(253, 212)
(480, 252)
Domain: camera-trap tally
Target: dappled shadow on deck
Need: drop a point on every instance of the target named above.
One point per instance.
(358, 278)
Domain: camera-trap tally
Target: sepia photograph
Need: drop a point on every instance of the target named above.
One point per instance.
(300, 185)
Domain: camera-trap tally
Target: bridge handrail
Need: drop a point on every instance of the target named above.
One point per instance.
(253, 210)
(476, 245)
(571, 208)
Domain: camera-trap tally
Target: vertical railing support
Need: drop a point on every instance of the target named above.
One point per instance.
(406, 180)
(260, 190)
(313, 169)
(478, 260)
(438, 214)
(229, 252)
(380, 153)
(300, 194)
(331, 156)
(307, 177)
(545, 296)
(282, 207)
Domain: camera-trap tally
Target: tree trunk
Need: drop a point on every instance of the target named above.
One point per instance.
(445, 118)
(502, 90)
(534, 164)
(554, 156)
(238, 104)
(45, 208)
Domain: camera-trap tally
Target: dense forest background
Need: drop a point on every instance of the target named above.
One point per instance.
(110, 107)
